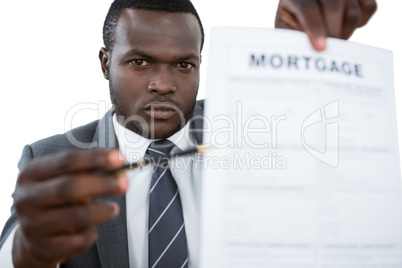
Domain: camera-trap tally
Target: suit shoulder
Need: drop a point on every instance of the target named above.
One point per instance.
(69, 140)
(201, 103)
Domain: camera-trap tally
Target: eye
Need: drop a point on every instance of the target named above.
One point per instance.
(185, 65)
(139, 62)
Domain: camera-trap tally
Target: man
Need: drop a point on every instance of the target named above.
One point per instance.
(70, 213)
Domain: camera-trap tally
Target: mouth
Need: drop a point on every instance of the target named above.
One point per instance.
(160, 110)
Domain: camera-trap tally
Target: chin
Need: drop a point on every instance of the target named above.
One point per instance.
(162, 131)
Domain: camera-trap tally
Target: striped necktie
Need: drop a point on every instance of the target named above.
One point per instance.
(167, 242)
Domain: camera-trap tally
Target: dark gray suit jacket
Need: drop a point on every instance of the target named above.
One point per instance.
(111, 248)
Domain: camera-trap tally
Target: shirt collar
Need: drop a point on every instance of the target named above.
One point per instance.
(134, 146)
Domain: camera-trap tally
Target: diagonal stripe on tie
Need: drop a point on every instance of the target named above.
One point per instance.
(157, 180)
(164, 211)
(167, 237)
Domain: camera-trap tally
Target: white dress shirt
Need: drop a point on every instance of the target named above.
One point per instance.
(187, 173)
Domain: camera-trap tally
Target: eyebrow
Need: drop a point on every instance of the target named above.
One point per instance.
(136, 52)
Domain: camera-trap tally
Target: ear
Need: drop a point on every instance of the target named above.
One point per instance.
(104, 57)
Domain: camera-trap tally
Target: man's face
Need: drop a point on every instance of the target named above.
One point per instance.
(153, 71)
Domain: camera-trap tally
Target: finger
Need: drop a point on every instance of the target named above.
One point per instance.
(368, 7)
(62, 247)
(308, 14)
(68, 220)
(68, 189)
(284, 19)
(333, 15)
(70, 161)
(352, 19)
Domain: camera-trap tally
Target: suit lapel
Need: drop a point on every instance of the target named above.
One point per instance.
(197, 122)
(112, 242)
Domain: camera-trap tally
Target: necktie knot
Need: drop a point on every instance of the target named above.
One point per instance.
(160, 148)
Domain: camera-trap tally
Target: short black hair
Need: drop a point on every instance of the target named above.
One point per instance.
(117, 7)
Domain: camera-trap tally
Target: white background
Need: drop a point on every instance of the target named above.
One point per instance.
(49, 64)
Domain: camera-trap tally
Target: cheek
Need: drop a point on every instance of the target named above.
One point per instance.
(195, 87)
(125, 95)
(131, 87)
(191, 85)
(189, 97)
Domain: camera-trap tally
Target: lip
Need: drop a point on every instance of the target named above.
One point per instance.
(160, 110)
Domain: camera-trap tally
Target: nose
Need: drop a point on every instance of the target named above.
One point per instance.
(162, 82)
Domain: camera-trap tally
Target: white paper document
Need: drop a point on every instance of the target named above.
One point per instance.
(305, 166)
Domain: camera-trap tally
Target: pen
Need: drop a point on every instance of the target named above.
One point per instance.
(152, 160)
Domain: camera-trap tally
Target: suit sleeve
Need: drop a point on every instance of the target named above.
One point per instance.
(26, 157)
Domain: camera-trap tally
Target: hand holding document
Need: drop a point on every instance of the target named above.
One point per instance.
(305, 171)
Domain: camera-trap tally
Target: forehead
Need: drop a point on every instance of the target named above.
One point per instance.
(157, 30)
